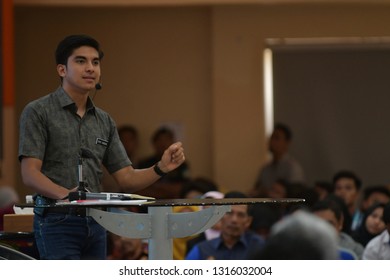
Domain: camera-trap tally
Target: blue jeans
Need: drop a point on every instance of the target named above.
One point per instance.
(68, 237)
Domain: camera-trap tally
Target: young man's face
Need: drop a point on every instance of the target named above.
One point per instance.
(82, 71)
(278, 144)
(329, 216)
(347, 190)
(277, 191)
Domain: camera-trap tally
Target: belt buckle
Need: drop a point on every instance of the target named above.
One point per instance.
(79, 211)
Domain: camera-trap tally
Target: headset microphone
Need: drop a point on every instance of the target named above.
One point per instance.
(98, 86)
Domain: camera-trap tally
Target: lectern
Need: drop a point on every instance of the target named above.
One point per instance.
(160, 225)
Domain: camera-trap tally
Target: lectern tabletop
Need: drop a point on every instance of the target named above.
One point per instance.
(223, 201)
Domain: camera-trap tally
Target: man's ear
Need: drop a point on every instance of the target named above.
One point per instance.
(61, 70)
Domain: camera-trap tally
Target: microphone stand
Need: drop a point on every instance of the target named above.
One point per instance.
(82, 185)
(80, 194)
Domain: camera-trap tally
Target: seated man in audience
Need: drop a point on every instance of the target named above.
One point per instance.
(330, 210)
(375, 194)
(347, 185)
(236, 242)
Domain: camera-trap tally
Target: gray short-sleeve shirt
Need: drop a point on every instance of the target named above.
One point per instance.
(51, 130)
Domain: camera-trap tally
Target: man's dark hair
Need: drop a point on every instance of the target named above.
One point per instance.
(128, 128)
(66, 47)
(286, 130)
(235, 194)
(329, 203)
(238, 194)
(199, 184)
(368, 191)
(162, 131)
(350, 175)
(327, 186)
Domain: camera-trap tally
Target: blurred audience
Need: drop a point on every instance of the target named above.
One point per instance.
(130, 140)
(8, 198)
(235, 242)
(283, 166)
(330, 211)
(210, 233)
(128, 135)
(372, 224)
(195, 188)
(265, 215)
(347, 186)
(162, 138)
(124, 248)
(379, 247)
(300, 236)
(323, 189)
(369, 196)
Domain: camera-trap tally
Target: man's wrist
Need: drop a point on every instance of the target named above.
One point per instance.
(158, 171)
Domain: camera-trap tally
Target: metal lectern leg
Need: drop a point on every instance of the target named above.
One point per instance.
(167, 225)
(160, 244)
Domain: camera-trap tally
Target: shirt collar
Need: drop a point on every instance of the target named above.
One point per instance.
(242, 241)
(66, 101)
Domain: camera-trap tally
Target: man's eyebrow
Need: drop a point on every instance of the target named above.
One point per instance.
(84, 57)
(80, 56)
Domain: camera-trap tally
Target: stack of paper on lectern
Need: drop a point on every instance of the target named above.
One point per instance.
(105, 198)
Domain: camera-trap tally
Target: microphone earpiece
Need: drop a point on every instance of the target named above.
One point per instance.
(98, 86)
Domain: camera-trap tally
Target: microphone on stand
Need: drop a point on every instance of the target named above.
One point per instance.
(82, 187)
(82, 192)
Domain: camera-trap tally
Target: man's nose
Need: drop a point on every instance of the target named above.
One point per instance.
(234, 217)
(90, 66)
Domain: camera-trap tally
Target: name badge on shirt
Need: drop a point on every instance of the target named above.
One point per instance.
(100, 141)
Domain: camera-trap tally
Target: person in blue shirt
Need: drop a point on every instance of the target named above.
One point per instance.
(236, 242)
